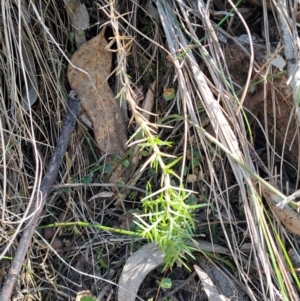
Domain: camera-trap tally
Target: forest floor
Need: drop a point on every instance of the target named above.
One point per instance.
(186, 140)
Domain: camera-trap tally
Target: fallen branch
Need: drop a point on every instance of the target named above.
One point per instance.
(46, 185)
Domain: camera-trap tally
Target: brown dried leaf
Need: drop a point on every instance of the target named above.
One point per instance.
(289, 217)
(97, 98)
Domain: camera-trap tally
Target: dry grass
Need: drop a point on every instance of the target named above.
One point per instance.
(164, 43)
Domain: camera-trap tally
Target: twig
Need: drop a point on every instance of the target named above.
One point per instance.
(46, 185)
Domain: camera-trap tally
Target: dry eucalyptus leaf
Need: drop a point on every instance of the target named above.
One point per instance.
(289, 217)
(87, 75)
(80, 19)
(295, 259)
(209, 287)
(278, 61)
(29, 91)
(27, 70)
(145, 260)
(224, 286)
(149, 101)
(137, 267)
(151, 11)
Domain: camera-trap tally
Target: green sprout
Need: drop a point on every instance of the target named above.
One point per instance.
(167, 219)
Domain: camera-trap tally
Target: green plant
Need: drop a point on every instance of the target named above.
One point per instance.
(101, 262)
(87, 298)
(166, 283)
(167, 219)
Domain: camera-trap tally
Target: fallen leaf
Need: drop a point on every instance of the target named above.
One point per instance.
(29, 91)
(87, 74)
(27, 70)
(149, 101)
(295, 259)
(145, 260)
(137, 267)
(79, 18)
(278, 62)
(209, 287)
(288, 216)
(218, 285)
